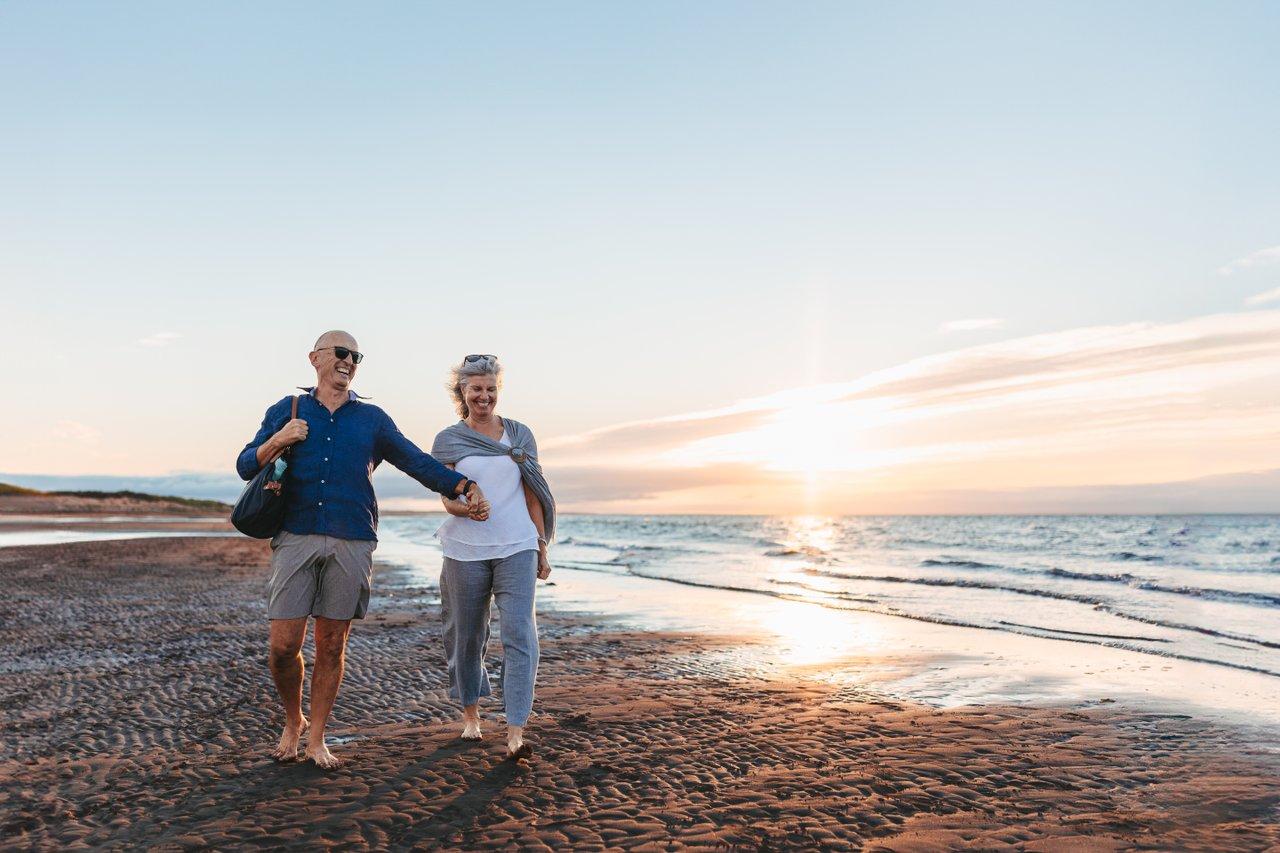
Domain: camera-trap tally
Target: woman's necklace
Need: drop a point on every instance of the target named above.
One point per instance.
(486, 429)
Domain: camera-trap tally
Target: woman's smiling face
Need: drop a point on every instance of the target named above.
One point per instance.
(480, 393)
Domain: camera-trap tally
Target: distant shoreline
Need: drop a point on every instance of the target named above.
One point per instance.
(887, 515)
(140, 503)
(16, 500)
(1263, 499)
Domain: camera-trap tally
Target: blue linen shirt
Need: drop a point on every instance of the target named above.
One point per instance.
(329, 483)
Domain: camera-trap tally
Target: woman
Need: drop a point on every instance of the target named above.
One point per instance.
(493, 552)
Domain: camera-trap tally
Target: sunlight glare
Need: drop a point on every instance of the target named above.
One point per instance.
(807, 634)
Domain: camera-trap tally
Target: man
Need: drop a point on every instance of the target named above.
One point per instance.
(322, 559)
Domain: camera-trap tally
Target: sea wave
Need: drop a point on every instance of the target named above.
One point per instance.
(809, 551)
(624, 547)
(965, 564)
(1240, 596)
(1134, 581)
(1086, 633)
(1078, 637)
(1094, 601)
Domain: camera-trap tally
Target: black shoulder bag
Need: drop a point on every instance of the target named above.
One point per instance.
(260, 510)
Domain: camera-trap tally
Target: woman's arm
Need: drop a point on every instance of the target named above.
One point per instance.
(535, 515)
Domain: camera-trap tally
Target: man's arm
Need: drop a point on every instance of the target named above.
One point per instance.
(454, 505)
(421, 466)
(276, 433)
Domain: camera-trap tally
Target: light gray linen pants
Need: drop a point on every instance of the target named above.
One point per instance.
(466, 589)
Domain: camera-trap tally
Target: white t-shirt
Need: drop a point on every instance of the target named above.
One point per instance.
(509, 530)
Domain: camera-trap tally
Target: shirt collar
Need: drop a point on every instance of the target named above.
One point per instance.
(352, 396)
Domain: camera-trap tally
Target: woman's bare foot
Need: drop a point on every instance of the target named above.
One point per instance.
(471, 723)
(320, 754)
(287, 749)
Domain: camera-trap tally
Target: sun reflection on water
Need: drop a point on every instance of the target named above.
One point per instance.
(811, 634)
(811, 535)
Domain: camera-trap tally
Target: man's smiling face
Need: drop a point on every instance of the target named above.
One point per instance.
(331, 370)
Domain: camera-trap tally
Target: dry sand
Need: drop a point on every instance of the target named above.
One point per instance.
(137, 711)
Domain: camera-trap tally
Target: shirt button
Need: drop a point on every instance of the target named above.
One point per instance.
(327, 438)
(321, 503)
(322, 482)
(326, 459)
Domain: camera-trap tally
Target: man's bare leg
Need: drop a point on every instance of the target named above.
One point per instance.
(331, 646)
(471, 722)
(287, 669)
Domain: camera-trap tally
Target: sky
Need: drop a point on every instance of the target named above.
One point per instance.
(735, 257)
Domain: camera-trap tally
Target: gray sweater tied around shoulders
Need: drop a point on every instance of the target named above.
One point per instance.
(457, 441)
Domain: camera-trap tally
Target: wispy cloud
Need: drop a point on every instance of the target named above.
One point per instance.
(1096, 406)
(971, 325)
(1260, 258)
(74, 432)
(1262, 298)
(159, 339)
(660, 433)
(74, 444)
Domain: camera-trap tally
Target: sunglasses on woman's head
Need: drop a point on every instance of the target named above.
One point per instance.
(479, 357)
(342, 352)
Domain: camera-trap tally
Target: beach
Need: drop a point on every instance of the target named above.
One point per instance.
(865, 417)
(139, 712)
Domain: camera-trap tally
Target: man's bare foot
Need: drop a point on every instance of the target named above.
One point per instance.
(287, 749)
(320, 754)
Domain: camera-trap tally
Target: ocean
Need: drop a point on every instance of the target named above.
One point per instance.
(1199, 588)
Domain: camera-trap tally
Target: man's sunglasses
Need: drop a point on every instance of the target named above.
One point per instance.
(479, 357)
(342, 352)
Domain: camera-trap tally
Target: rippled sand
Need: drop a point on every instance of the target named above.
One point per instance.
(138, 710)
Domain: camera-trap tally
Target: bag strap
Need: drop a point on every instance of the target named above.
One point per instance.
(293, 416)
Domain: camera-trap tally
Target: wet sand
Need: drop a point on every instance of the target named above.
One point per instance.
(138, 710)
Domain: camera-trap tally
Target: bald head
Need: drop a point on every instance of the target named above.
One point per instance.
(336, 338)
(334, 374)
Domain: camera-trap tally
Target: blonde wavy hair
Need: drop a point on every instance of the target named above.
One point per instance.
(459, 375)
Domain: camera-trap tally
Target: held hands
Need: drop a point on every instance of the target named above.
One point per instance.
(477, 506)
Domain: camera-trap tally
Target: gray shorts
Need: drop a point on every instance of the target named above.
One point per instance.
(314, 575)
